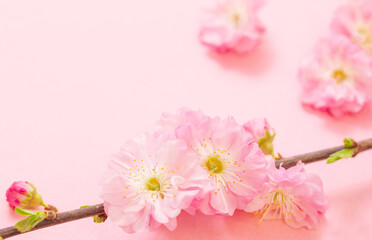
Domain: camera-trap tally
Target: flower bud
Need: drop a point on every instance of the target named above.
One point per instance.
(100, 218)
(349, 142)
(97, 218)
(23, 194)
(264, 135)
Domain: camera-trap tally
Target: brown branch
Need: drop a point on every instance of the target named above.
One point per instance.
(60, 218)
(98, 209)
(321, 155)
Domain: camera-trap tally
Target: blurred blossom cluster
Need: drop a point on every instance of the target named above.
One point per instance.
(231, 25)
(336, 76)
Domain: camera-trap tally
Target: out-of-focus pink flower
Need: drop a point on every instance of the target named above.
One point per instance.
(149, 182)
(23, 194)
(335, 76)
(355, 22)
(264, 135)
(232, 162)
(231, 25)
(293, 195)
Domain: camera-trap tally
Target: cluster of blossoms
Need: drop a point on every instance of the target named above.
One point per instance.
(337, 76)
(231, 25)
(194, 162)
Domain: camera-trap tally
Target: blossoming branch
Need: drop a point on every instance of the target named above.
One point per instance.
(193, 162)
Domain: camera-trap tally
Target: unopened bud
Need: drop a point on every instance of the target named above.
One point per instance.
(23, 194)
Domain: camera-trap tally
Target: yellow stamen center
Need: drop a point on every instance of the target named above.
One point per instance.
(153, 184)
(214, 164)
(365, 37)
(279, 204)
(339, 75)
(236, 19)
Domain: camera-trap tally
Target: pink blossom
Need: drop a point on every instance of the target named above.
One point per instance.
(170, 121)
(233, 164)
(149, 182)
(264, 135)
(293, 195)
(258, 127)
(231, 25)
(23, 194)
(354, 21)
(335, 76)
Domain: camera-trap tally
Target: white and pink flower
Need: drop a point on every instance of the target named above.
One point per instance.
(231, 161)
(335, 76)
(354, 21)
(293, 195)
(231, 25)
(149, 182)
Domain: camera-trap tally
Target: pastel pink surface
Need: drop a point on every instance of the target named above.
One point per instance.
(79, 78)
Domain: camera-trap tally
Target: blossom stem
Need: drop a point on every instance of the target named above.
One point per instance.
(98, 209)
(322, 154)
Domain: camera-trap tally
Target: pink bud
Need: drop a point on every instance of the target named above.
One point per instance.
(264, 135)
(258, 127)
(23, 194)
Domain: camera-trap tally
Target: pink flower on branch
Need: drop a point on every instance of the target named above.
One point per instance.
(232, 163)
(335, 76)
(231, 25)
(263, 134)
(354, 21)
(293, 195)
(149, 182)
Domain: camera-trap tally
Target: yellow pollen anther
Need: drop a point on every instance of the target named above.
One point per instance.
(339, 75)
(153, 184)
(214, 164)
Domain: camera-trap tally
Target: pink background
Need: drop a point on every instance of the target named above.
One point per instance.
(78, 78)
